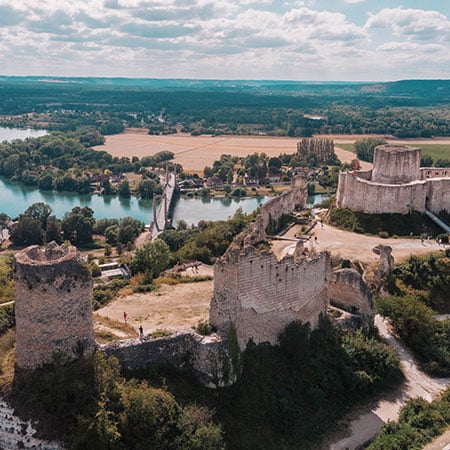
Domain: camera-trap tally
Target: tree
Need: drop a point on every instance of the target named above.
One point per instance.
(53, 230)
(152, 258)
(45, 182)
(27, 231)
(78, 225)
(39, 211)
(124, 189)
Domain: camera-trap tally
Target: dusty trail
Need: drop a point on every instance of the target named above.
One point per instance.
(366, 422)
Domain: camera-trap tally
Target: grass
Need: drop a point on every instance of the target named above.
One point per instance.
(7, 347)
(118, 325)
(172, 280)
(436, 151)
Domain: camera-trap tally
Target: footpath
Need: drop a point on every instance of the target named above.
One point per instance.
(366, 422)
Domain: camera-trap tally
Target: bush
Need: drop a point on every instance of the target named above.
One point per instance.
(204, 328)
(383, 234)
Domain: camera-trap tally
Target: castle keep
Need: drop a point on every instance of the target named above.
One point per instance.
(53, 293)
(396, 184)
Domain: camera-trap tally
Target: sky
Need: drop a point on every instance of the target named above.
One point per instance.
(320, 40)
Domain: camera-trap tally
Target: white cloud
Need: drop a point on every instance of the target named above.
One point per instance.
(411, 23)
(218, 39)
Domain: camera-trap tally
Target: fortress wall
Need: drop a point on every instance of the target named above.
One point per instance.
(394, 164)
(261, 295)
(374, 198)
(287, 202)
(53, 308)
(347, 290)
(438, 194)
(434, 172)
(205, 355)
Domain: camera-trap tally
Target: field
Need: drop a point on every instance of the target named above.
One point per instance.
(194, 153)
(436, 151)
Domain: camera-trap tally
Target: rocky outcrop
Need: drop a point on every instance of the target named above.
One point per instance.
(16, 434)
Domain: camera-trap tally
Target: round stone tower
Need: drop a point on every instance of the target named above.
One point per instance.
(53, 291)
(396, 164)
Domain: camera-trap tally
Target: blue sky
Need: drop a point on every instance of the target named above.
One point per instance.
(355, 40)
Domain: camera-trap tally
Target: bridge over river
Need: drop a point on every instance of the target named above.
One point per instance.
(161, 213)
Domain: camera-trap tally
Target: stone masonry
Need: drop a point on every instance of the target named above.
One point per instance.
(53, 306)
(396, 184)
(258, 295)
(206, 356)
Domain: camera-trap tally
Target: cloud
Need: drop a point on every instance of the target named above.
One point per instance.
(158, 31)
(354, 1)
(416, 24)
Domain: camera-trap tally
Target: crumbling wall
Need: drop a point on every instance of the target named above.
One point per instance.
(288, 202)
(206, 356)
(53, 305)
(347, 290)
(260, 295)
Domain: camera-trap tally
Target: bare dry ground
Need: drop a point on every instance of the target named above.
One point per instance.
(354, 246)
(170, 307)
(196, 152)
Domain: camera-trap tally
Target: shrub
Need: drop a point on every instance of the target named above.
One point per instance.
(204, 328)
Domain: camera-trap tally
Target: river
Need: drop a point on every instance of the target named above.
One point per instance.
(9, 134)
(15, 198)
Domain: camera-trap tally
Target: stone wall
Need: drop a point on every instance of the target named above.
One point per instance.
(366, 196)
(260, 295)
(206, 356)
(438, 194)
(396, 184)
(53, 305)
(347, 290)
(288, 202)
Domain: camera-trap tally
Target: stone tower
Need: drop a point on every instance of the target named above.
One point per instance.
(396, 164)
(53, 305)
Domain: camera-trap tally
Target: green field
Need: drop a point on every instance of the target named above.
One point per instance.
(436, 151)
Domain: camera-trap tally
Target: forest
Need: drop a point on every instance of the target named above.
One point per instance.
(414, 108)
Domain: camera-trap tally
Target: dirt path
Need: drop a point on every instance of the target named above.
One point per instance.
(366, 422)
(440, 443)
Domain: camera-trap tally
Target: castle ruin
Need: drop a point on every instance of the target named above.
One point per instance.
(396, 184)
(53, 306)
(258, 294)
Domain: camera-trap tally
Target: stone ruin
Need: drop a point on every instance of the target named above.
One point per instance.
(53, 310)
(53, 306)
(255, 294)
(258, 295)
